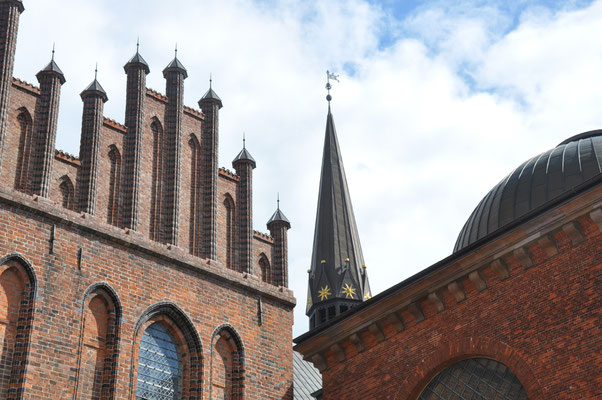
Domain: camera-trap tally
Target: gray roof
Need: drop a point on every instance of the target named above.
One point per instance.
(52, 68)
(278, 216)
(534, 183)
(210, 95)
(306, 378)
(137, 60)
(337, 258)
(176, 65)
(95, 89)
(244, 155)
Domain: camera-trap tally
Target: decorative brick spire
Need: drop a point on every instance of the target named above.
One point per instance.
(10, 10)
(278, 226)
(244, 165)
(210, 103)
(174, 74)
(337, 278)
(136, 70)
(94, 98)
(51, 79)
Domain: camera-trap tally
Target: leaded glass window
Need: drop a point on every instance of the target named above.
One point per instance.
(475, 379)
(159, 365)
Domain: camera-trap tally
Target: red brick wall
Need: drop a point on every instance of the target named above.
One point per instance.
(542, 322)
(140, 278)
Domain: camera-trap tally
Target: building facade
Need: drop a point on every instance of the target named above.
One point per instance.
(133, 270)
(513, 313)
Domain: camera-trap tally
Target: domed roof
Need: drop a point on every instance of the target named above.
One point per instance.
(536, 182)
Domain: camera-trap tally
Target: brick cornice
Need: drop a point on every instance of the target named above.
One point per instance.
(132, 240)
(515, 243)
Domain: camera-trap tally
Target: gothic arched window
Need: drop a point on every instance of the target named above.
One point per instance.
(195, 195)
(475, 378)
(159, 365)
(26, 145)
(114, 187)
(157, 188)
(266, 270)
(229, 205)
(67, 193)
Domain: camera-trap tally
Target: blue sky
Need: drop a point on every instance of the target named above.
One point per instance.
(437, 100)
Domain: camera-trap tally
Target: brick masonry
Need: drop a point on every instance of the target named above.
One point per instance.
(529, 299)
(81, 278)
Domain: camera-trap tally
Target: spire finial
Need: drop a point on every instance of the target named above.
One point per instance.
(210, 80)
(278, 200)
(243, 141)
(329, 76)
(96, 71)
(138, 44)
(53, 51)
(176, 50)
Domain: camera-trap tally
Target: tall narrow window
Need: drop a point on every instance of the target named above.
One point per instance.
(67, 193)
(157, 188)
(195, 196)
(227, 366)
(17, 294)
(26, 144)
(229, 205)
(159, 365)
(114, 206)
(266, 270)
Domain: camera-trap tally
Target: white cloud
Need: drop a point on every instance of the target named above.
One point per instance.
(427, 124)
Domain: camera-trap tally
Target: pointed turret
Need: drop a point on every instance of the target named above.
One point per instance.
(278, 226)
(136, 69)
(244, 164)
(337, 278)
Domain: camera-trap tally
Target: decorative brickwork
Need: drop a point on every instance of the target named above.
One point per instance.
(10, 10)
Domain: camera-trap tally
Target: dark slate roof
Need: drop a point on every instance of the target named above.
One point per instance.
(176, 65)
(278, 216)
(336, 238)
(138, 61)
(211, 95)
(95, 89)
(306, 378)
(52, 68)
(19, 4)
(244, 155)
(533, 184)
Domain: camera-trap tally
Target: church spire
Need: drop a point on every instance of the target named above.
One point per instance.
(337, 278)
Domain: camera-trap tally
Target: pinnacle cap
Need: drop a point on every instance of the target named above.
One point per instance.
(137, 60)
(211, 96)
(244, 155)
(279, 216)
(18, 3)
(53, 69)
(95, 89)
(177, 66)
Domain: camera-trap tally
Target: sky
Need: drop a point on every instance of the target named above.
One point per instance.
(437, 100)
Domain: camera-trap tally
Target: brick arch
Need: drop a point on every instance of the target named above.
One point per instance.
(115, 196)
(195, 219)
(103, 372)
(25, 156)
(185, 333)
(158, 177)
(265, 268)
(15, 363)
(230, 208)
(227, 347)
(67, 191)
(452, 351)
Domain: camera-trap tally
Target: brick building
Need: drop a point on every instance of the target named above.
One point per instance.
(133, 270)
(513, 313)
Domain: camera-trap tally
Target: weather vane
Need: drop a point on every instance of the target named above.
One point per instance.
(329, 76)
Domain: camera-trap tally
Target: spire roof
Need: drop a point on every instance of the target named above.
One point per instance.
(244, 155)
(211, 95)
(95, 88)
(137, 60)
(278, 216)
(337, 264)
(176, 65)
(53, 68)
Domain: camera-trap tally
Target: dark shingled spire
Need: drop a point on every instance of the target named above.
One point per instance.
(137, 60)
(278, 216)
(53, 68)
(337, 278)
(176, 65)
(244, 155)
(95, 89)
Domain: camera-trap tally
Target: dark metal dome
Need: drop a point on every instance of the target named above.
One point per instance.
(533, 184)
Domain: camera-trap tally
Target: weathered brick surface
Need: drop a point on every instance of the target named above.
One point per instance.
(78, 287)
(543, 322)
